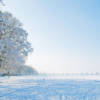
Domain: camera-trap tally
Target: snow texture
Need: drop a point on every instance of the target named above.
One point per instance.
(65, 87)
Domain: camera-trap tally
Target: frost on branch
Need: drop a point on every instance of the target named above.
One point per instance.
(14, 47)
(1, 1)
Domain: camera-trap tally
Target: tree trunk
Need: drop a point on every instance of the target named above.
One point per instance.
(29, 73)
(8, 74)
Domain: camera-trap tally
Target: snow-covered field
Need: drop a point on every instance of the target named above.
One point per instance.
(61, 87)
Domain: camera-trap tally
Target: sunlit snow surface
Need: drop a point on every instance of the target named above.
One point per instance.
(61, 87)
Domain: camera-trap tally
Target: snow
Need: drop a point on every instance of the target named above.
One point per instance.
(50, 87)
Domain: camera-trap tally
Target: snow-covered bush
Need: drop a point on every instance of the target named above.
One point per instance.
(27, 70)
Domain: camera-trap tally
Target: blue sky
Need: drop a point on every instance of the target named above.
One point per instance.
(65, 34)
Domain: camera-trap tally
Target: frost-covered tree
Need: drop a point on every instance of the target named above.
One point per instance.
(14, 47)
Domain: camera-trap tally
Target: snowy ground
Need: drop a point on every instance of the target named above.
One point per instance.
(65, 87)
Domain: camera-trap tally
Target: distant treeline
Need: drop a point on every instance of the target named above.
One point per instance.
(69, 74)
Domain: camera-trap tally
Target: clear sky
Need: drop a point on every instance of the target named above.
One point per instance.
(65, 34)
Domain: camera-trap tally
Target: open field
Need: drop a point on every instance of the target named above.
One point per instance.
(61, 87)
